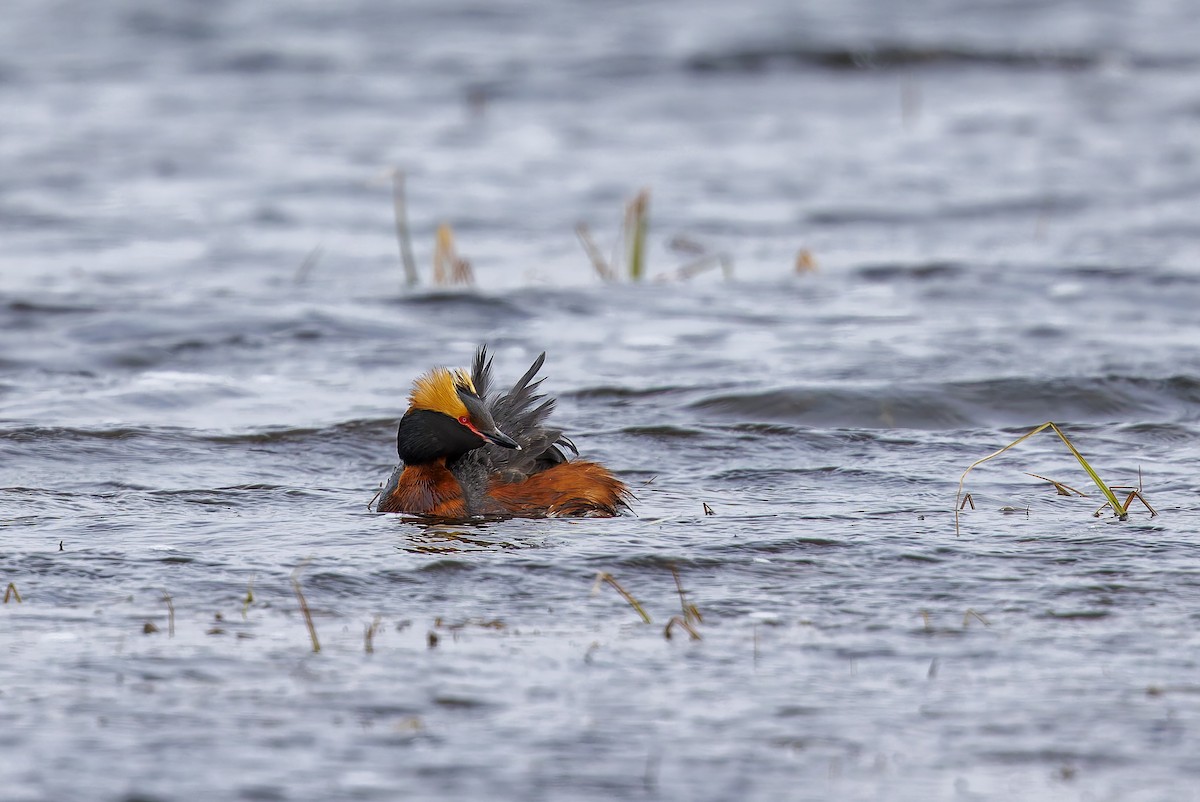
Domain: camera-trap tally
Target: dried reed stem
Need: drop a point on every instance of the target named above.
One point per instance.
(1063, 490)
(249, 600)
(604, 576)
(448, 268)
(312, 630)
(170, 614)
(369, 635)
(411, 279)
(602, 268)
(678, 621)
(691, 614)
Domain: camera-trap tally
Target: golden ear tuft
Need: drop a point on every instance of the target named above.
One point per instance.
(438, 389)
(462, 381)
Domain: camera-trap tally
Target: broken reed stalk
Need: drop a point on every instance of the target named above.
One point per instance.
(12, 592)
(312, 630)
(443, 253)
(805, 263)
(1108, 494)
(704, 264)
(1129, 500)
(969, 614)
(678, 621)
(411, 279)
(170, 614)
(310, 261)
(604, 576)
(369, 635)
(448, 268)
(635, 233)
(602, 268)
(690, 612)
(249, 600)
(1063, 490)
(1138, 495)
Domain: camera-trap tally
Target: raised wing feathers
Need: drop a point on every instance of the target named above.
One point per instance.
(520, 413)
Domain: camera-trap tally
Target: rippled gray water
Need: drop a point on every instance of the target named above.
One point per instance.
(195, 405)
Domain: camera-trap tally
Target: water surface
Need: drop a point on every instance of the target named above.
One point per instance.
(196, 406)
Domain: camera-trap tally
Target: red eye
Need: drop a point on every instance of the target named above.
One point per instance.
(464, 420)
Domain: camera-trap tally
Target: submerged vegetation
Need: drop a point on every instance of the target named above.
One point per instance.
(687, 620)
(629, 259)
(632, 261)
(1121, 510)
(449, 269)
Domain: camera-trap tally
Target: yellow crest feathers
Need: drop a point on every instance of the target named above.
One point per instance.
(438, 389)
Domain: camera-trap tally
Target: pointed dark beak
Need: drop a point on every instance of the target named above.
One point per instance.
(499, 438)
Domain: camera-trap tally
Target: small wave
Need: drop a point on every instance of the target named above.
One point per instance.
(908, 56)
(835, 407)
(34, 308)
(1033, 205)
(927, 270)
(1172, 434)
(172, 23)
(367, 429)
(370, 428)
(616, 393)
(1160, 276)
(260, 61)
(25, 434)
(663, 432)
(1009, 401)
(465, 302)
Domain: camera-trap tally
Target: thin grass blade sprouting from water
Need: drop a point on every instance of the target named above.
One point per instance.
(635, 233)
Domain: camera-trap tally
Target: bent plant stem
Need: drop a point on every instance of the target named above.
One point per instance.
(1138, 495)
(604, 576)
(1108, 494)
(601, 267)
(312, 630)
(691, 613)
(1128, 501)
(1063, 490)
(678, 621)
